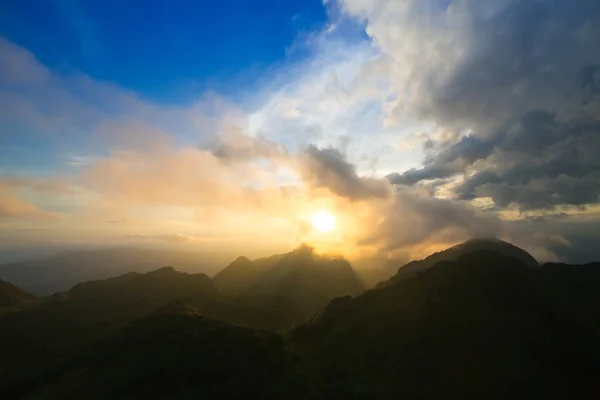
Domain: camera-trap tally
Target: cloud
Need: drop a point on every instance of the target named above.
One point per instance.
(19, 66)
(412, 220)
(233, 144)
(170, 237)
(13, 206)
(181, 177)
(327, 168)
(539, 163)
(570, 238)
(517, 81)
(247, 190)
(502, 94)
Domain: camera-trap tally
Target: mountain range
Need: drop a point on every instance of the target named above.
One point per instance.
(13, 297)
(45, 276)
(480, 320)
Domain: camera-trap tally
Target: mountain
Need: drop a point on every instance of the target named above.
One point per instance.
(486, 324)
(307, 280)
(482, 326)
(453, 253)
(60, 272)
(242, 274)
(63, 325)
(176, 353)
(273, 313)
(12, 296)
(370, 277)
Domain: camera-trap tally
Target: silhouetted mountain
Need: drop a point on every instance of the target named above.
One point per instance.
(303, 277)
(267, 312)
(242, 274)
(453, 253)
(370, 277)
(61, 326)
(177, 353)
(485, 324)
(62, 271)
(482, 326)
(12, 296)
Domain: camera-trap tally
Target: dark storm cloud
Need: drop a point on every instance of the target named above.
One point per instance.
(237, 146)
(559, 237)
(405, 217)
(448, 162)
(327, 168)
(540, 164)
(589, 79)
(416, 219)
(528, 92)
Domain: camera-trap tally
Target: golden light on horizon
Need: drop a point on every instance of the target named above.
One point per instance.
(323, 221)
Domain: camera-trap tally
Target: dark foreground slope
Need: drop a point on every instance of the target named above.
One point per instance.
(12, 297)
(284, 290)
(455, 252)
(60, 272)
(57, 328)
(241, 275)
(176, 353)
(483, 326)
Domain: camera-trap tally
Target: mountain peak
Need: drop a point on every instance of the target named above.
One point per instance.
(499, 246)
(241, 260)
(164, 270)
(453, 253)
(11, 295)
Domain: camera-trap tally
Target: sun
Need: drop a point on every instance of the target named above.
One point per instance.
(323, 221)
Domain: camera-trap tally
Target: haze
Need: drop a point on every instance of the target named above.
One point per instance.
(224, 127)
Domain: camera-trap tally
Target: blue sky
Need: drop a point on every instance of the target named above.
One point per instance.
(418, 123)
(165, 51)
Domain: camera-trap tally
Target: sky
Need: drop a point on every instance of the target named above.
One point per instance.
(229, 125)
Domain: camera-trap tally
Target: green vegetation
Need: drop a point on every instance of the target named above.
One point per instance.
(13, 298)
(176, 353)
(37, 338)
(282, 291)
(483, 326)
(480, 324)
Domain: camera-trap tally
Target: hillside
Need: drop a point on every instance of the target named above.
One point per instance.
(302, 278)
(177, 353)
(483, 326)
(60, 272)
(66, 323)
(13, 297)
(242, 274)
(453, 253)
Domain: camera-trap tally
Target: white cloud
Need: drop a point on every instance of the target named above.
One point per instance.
(380, 102)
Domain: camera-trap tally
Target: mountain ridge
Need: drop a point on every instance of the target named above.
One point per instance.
(454, 252)
(307, 279)
(482, 325)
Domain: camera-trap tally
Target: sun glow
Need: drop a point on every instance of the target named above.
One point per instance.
(323, 221)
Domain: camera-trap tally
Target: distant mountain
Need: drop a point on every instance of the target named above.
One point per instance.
(242, 274)
(453, 253)
(486, 324)
(60, 272)
(267, 312)
(176, 353)
(483, 326)
(303, 277)
(12, 296)
(66, 323)
(370, 277)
